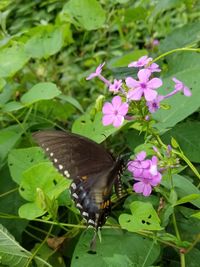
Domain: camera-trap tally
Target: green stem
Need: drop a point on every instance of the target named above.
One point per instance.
(177, 50)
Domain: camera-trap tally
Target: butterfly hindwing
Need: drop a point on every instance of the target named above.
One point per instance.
(92, 169)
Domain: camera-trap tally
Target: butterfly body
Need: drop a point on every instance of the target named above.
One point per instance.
(92, 169)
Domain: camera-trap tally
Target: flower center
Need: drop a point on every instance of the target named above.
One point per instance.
(143, 85)
(116, 112)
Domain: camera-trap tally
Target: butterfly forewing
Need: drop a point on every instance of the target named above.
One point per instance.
(91, 167)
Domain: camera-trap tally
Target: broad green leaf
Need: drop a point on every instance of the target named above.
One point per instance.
(19, 160)
(12, 59)
(192, 258)
(8, 139)
(10, 201)
(196, 215)
(11, 253)
(72, 101)
(187, 136)
(181, 37)
(134, 14)
(44, 176)
(183, 187)
(181, 106)
(187, 198)
(8, 91)
(143, 217)
(87, 13)
(40, 91)
(117, 249)
(12, 106)
(47, 40)
(93, 129)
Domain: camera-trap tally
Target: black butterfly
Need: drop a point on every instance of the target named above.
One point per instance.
(93, 170)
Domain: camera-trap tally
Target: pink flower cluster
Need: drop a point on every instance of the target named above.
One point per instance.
(145, 172)
(134, 90)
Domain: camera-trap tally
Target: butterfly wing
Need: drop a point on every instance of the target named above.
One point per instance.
(91, 167)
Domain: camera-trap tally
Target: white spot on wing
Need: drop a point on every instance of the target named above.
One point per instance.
(75, 195)
(73, 185)
(55, 160)
(79, 206)
(90, 221)
(51, 154)
(60, 167)
(85, 214)
(47, 149)
(66, 173)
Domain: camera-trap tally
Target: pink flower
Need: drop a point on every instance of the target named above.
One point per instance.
(145, 172)
(141, 62)
(154, 105)
(137, 165)
(114, 113)
(144, 86)
(115, 86)
(97, 72)
(153, 68)
(180, 86)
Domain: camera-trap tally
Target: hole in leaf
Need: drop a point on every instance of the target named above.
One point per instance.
(11, 164)
(143, 221)
(77, 257)
(92, 252)
(148, 223)
(54, 182)
(83, 122)
(149, 217)
(128, 221)
(31, 160)
(22, 189)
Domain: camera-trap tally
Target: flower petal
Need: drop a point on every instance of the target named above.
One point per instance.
(107, 119)
(116, 101)
(108, 108)
(138, 187)
(118, 121)
(147, 190)
(143, 75)
(123, 109)
(131, 83)
(135, 94)
(154, 83)
(150, 94)
(186, 91)
(141, 155)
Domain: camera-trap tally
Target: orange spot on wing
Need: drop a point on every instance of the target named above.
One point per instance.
(84, 177)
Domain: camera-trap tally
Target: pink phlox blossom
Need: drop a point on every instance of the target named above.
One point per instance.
(113, 113)
(155, 42)
(153, 67)
(97, 72)
(115, 86)
(144, 86)
(154, 105)
(141, 62)
(145, 172)
(137, 165)
(180, 86)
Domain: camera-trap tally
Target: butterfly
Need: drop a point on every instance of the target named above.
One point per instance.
(92, 168)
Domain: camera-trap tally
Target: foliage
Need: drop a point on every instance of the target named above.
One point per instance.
(47, 49)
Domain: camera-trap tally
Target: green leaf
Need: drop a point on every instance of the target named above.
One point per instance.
(45, 177)
(87, 13)
(72, 101)
(165, 5)
(188, 198)
(183, 187)
(143, 217)
(119, 254)
(47, 40)
(181, 106)
(186, 135)
(40, 91)
(12, 106)
(12, 59)
(181, 37)
(11, 253)
(22, 159)
(196, 215)
(93, 129)
(8, 139)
